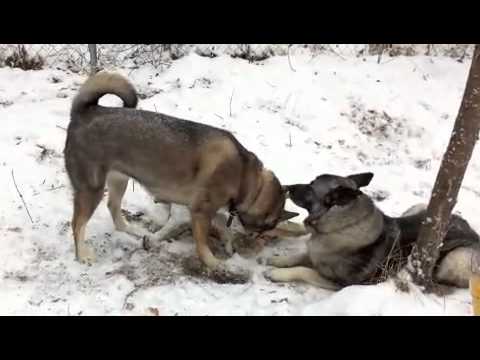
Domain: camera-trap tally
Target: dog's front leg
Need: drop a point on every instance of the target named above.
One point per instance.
(289, 260)
(287, 229)
(171, 229)
(200, 228)
(300, 273)
(220, 226)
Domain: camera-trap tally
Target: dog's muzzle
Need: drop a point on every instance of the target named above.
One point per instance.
(309, 222)
(312, 219)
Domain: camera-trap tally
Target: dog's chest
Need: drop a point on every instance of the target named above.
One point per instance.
(172, 194)
(326, 261)
(345, 267)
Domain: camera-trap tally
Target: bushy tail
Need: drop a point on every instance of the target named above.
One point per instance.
(101, 84)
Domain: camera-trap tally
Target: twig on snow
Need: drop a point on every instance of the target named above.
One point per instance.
(56, 188)
(129, 295)
(21, 197)
(231, 98)
(51, 189)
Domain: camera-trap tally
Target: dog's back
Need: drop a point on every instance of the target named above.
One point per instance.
(144, 145)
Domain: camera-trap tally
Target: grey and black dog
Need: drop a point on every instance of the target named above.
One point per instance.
(354, 242)
(177, 161)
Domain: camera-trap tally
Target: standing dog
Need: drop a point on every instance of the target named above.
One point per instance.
(354, 242)
(177, 161)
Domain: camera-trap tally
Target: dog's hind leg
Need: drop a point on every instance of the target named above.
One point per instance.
(289, 260)
(300, 273)
(85, 203)
(172, 228)
(415, 209)
(117, 185)
(457, 266)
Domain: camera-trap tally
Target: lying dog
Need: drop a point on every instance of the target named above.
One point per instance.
(354, 242)
(177, 161)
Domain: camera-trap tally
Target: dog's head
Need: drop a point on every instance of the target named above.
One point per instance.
(267, 209)
(326, 191)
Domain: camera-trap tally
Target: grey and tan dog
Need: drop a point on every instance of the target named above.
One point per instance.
(177, 161)
(354, 242)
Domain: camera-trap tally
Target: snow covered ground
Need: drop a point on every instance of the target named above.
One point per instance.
(330, 115)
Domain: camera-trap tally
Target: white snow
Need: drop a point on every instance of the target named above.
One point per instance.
(301, 124)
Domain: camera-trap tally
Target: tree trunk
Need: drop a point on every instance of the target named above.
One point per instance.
(92, 49)
(449, 179)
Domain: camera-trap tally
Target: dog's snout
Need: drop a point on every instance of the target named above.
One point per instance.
(308, 221)
(296, 191)
(301, 195)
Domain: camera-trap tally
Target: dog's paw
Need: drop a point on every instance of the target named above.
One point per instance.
(272, 275)
(277, 261)
(271, 261)
(86, 255)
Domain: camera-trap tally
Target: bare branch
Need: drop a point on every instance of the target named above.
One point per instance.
(129, 295)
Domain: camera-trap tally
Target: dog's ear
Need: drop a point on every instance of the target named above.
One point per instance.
(362, 179)
(285, 191)
(287, 215)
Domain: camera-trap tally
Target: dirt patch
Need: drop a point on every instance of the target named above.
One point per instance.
(17, 276)
(377, 124)
(192, 266)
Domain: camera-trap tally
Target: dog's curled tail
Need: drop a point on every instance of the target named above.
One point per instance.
(101, 84)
